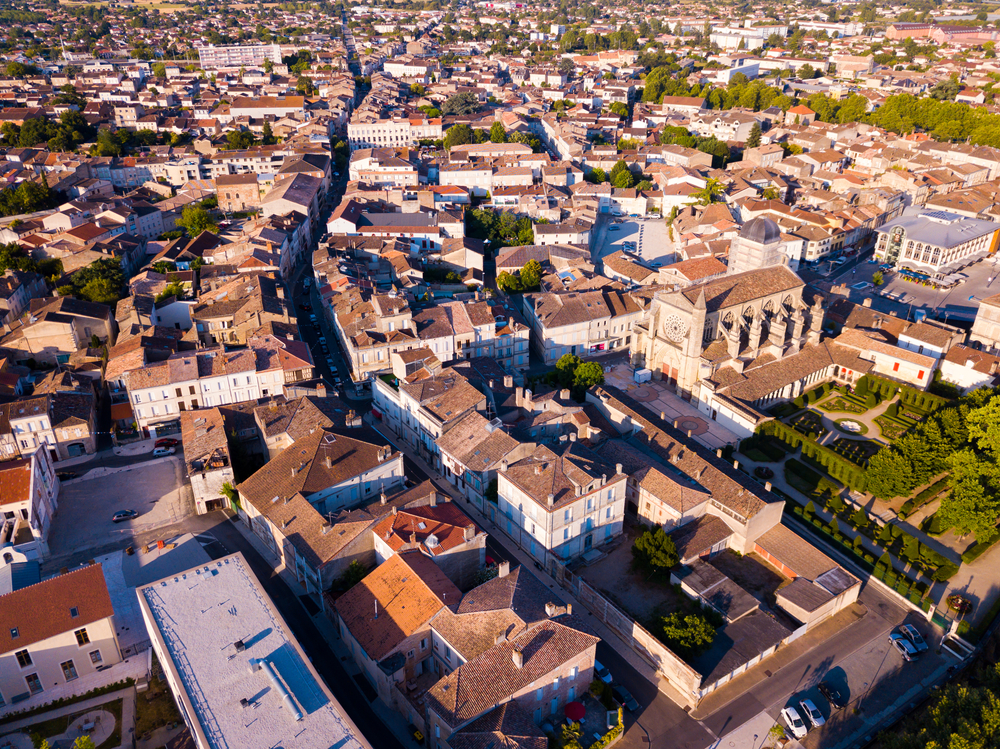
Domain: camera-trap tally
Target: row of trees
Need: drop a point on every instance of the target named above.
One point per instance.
(529, 278)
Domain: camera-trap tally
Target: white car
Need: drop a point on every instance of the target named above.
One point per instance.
(159, 452)
(812, 712)
(601, 672)
(904, 646)
(794, 722)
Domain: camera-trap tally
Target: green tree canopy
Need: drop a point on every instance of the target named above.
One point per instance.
(461, 104)
(531, 275)
(196, 219)
(689, 634)
(588, 374)
(654, 551)
(458, 135)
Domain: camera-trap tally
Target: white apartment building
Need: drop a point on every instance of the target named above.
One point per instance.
(238, 55)
(28, 502)
(582, 323)
(560, 506)
(368, 131)
(190, 380)
(935, 242)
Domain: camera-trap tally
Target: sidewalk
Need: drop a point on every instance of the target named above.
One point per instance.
(77, 707)
(623, 648)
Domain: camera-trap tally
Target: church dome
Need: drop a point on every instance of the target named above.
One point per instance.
(761, 230)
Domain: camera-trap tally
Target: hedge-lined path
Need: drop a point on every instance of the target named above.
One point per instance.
(867, 418)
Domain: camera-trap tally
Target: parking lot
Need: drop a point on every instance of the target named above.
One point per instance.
(156, 489)
(649, 235)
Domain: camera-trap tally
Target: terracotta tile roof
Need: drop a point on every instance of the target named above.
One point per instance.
(798, 555)
(560, 474)
(42, 611)
(446, 522)
(406, 591)
(740, 288)
(492, 678)
(15, 481)
(507, 726)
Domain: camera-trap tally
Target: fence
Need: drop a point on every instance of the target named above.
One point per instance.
(681, 676)
(139, 647)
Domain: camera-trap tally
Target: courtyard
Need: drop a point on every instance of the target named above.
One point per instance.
(156, 490)
(648, 234)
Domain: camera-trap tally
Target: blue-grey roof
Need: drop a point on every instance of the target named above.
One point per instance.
(940, 228)
(19, 575)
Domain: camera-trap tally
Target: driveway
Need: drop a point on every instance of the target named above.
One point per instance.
(157, 490)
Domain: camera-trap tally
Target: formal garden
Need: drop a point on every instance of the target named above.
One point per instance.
(935, 460)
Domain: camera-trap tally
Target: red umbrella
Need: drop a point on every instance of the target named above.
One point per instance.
(575, 711)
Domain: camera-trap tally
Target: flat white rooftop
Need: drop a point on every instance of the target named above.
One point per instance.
(196, 618)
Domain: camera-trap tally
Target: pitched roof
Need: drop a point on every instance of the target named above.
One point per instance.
(45, 610)
(396, 599)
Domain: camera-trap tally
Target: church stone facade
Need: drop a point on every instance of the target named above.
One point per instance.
(739, 321)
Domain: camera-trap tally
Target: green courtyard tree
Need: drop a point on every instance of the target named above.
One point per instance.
(196, 219)
(566, 369)
(460, 104)
(458, 135)
(497, 133)
(690, 634)
(531, 275)
(753, 140)
(588, 374)
(654, 551)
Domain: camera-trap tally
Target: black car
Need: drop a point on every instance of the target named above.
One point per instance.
(833, 695)
(122, 515)
(65, 475)
(625, 698)
(763, 473)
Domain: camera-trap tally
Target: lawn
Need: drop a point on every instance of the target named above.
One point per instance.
(154, 709)
(844, 403)
(856, 451)
(810, 483)
(809, 424)
(892, 428)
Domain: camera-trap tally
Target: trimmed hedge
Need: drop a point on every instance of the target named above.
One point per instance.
(837, 466)
(912, 505)
(909, 396)
(977, 550)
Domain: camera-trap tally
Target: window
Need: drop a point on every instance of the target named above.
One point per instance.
(14, 633)
(409, 655)
(74, 612)
(82, 638)
(555, 684)
(538, 694)
(34, 683)
(574, 672)
(447, 653)
(23, 658)
(96, 659)
(423, 644)
(69, 670)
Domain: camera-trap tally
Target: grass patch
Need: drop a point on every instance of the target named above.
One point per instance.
(47, 729)
(862, 429)
(154, 709)
(810, 483)
(108, 689)
(844, 404)
(856, 451)
(893, 428)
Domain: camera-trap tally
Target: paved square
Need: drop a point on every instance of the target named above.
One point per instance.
(157, 490)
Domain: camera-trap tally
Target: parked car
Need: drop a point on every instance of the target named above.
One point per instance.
(794, 722)
(625, 698)
(812, 712)
(763, 473)
(306, 306)
(614, 228)
(904, 646)
(167, 442)
(914, 636)
(601, 672)
(122, 515)
(833, 695)
(65, 475)
(161, 451)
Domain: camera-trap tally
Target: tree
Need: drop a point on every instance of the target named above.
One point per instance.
(196, 219)
(458, 135)
(655, 552)
(159, 70)
(566, 66)
(566, 369)
(509, 284)
(877, 278)
(354, 574)
(596, 175)
(970, 507)
(690, 634)
(624, 180)
(228, 491)
(619, 108)
(570, 736)
(753, 140)
(83, 742)
(771, 193)
(304, 85)
(461, 104)
(531, 275)
(587, 375)
(707, 195)
(497, 133)
(175, 289)
(267, 135)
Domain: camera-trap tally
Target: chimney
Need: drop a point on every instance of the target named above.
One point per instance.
(329, 463)
(325, 528)
(572, 436)
(434, 499)
(736, 464)
(767, 485)
(394, 509)
(503, 465)
(470, 532)
(538, 470)
(527, 399)
(519, 396)
(551, 500)
(579, 490)
(517, 656)
(279, 290)
(550, 609)
(867, 302)
(503, 569)
(508, 381)
(382, 498)
(718, 453)
(569, 609)
(993, 367)
(618, 468)
(502, 637)
(564, 394)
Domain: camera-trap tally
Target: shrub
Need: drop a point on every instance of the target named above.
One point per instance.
(945, 572)
(890, 579)
(834, 525)
(838, 536)
(817, 522)
(861, 389)
(836, 504)
(885, 535)
(871, 400)
(977, 550)
(799, 402)
(858, 543)
(797, 509)
(895, 530)
(860, 518)
(869, 558)
(885, 560)
(810, 508)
